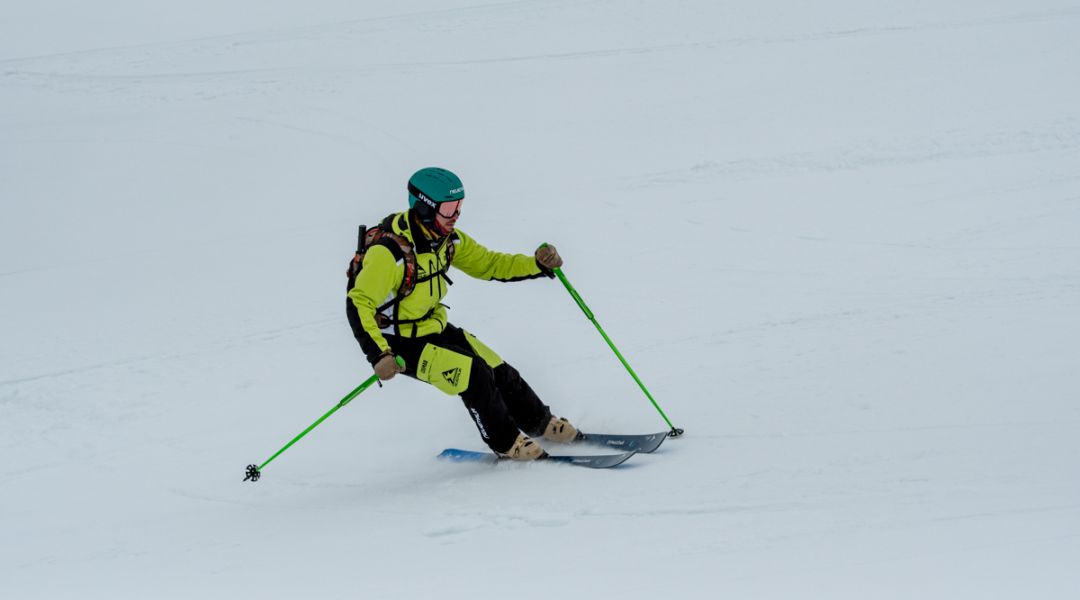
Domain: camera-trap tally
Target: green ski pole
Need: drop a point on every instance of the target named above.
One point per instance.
(254, 472)
(675, 431)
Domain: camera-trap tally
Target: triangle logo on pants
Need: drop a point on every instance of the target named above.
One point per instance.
(452, 376)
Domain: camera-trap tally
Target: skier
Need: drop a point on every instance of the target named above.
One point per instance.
(394, 307)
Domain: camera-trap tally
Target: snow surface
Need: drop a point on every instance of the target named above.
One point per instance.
(838, 240)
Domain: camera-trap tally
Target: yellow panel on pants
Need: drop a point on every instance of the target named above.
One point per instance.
(490, 357)
(444, 369)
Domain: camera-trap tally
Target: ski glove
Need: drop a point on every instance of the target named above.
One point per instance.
(386, 367)
(548, 258)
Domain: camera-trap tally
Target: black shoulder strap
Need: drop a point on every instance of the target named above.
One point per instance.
(391, 245)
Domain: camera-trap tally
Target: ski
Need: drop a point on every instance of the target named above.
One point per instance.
(604, 461)
(644, 443)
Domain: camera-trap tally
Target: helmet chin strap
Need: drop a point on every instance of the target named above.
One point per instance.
(432, 231)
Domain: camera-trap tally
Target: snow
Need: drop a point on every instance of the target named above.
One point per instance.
(837, 240)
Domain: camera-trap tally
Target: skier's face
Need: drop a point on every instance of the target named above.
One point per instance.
(445, 223)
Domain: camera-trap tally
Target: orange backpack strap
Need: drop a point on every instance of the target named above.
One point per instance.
(383, 235)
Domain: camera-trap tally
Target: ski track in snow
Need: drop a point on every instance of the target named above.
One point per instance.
(309, 33)
(278, 80)
(1053, 137)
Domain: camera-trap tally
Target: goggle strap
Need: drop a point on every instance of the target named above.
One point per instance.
(415, 191)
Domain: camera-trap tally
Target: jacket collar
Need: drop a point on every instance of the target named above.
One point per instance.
(414, 232)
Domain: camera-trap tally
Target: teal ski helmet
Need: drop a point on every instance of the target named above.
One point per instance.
(430, 187)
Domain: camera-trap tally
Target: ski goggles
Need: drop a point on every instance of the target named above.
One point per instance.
(449, 210)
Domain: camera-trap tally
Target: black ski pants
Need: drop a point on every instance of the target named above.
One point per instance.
(498, 400)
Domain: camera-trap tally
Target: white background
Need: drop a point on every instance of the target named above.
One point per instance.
(837, 240)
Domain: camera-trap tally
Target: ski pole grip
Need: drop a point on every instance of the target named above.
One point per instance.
(400, 362)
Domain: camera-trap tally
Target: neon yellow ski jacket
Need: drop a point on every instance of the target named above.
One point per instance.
(421, 312)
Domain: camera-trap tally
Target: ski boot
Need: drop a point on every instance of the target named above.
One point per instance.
(560, 430)
(524, 448)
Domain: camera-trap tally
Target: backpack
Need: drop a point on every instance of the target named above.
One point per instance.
(383, 235)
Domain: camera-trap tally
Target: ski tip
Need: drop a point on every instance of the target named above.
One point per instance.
(654, 444)
(642, 443)
(620, 459)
